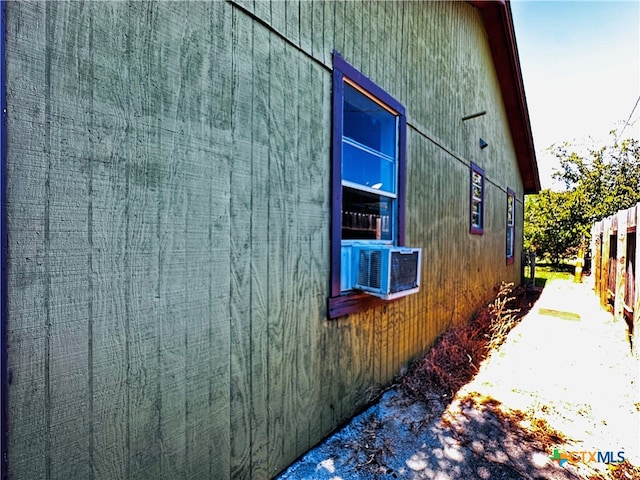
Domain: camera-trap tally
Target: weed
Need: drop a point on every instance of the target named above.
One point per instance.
(503, 317)
(456, 355)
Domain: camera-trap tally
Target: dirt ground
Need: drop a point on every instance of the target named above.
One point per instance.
(559, 399)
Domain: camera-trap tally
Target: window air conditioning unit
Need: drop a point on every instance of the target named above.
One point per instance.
(385, 271)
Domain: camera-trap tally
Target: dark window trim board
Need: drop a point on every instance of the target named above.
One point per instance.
(340, 304)
(4, 407)
(511, 259)
(474, 230)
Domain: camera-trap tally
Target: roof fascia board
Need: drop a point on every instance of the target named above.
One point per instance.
(498, 22)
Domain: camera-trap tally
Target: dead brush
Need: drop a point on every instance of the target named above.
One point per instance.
(620, 471)
(369, 451)
(503, 317)
(448, 365)
(456, 355)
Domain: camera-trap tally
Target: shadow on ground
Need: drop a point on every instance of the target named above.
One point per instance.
(420, 430)
(472, 438)
(425, 428)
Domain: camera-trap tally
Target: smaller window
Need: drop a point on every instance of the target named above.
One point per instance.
(477, 200)
(511, 214)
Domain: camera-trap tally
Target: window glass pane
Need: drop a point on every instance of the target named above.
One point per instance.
(477, 192)
(477, 200)
(510, 242)
(477, 186)
(510, 210)
(368, 123)
(475, 214)
(366, 168)
(366, 216)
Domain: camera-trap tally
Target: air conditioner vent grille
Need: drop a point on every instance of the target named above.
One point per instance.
(386, 271)
(369, 268)
(404, 271)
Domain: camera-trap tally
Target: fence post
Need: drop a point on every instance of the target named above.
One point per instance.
(577, 275)
(635, 326)
(532, 263)
(595, 254)
(621, 267)
(604, 261)
(593, 246)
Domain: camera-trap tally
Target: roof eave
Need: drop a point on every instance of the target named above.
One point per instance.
(498, 22)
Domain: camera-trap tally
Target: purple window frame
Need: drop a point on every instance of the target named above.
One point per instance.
(512, 228)
(474, 229)
(340, 303)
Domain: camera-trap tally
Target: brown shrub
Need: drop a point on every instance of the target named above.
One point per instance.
(456, 355)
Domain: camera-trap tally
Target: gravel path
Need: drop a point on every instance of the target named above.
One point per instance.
(564, 380)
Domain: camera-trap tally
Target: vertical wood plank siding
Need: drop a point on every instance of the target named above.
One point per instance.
(168, 216)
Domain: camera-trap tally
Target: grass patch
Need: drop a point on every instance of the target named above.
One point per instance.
(546, 272)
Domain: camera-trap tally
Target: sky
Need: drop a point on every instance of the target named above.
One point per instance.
(580, 64)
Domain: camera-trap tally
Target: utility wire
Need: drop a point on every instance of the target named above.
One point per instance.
(628, 119)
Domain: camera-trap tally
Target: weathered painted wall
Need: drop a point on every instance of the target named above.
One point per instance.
(168, 213)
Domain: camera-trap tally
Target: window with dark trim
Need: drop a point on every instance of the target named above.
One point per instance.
(476, 214)
(511, 216)
(368, 161)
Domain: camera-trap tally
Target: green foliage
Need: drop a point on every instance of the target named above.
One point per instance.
(547, 272)
(550, 226)
(598, 184)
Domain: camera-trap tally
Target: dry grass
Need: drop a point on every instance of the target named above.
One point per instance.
(483, 435)
(455, 357)
(503, 315)
(462, 433)
(621, 471)
(453, 361)
(368, 451)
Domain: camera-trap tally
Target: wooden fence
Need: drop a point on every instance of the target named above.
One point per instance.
(615, 257)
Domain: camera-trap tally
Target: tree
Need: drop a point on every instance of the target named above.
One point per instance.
(598, 184)
(550, 225)
(603, 181)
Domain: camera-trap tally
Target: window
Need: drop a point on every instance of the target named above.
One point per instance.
(368, 176)
(369, 161)
(477, 200)
(511, 214)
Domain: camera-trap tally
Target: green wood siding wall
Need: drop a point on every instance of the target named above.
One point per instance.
(168, 209)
